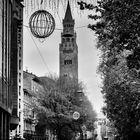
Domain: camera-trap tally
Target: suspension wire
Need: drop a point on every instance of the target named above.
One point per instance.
(29, 27)
(81, 27)
(39, 53)
(62, 29)
(57, 28)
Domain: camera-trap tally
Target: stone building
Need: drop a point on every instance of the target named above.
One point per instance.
(11, 12)
(68, 49)
(31, 86)
(17, 61)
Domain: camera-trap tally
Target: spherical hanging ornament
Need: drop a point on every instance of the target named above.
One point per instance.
(42, 24)
(76, 115)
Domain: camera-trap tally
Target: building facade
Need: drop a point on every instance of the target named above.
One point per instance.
(68, 49)
(30, 86)
(10, 30)
(17, 67)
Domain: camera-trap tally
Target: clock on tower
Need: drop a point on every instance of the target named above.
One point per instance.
(68, 50)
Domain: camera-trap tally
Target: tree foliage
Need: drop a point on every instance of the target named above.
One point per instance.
(118, 32)
(56, 104)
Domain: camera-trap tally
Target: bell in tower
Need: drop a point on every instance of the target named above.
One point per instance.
(68, 50)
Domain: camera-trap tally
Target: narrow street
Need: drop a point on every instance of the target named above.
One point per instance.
(98, 132)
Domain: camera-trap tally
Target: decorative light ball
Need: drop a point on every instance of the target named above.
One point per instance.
(76, 115)
(42, 24)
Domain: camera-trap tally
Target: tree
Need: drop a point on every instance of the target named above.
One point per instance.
(118, 32)
(57, 103)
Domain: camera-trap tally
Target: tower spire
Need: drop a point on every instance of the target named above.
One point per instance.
(68, 48)
(68, 15)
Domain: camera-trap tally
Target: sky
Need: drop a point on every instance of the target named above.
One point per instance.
(42, 58)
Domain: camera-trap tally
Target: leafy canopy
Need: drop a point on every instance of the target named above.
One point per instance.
(118, 31)
(58, 101)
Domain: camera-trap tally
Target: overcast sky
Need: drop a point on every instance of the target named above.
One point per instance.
(43, 58)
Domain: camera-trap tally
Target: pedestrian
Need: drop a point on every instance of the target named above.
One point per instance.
(85, 136)
(95, 134)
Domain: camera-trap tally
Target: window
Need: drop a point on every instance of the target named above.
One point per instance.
(19, 64)
(63, 39)
(19, 129)
(19, 116)
(19, 77)
(24, 110)
(19, 103)
(24, 125)
(19, 51)
(68, 51)
(19, 90)
(65, 75)
(68, 39)
(67, 62)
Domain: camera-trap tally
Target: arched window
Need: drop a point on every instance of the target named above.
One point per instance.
(63, 39)
(65, 75)
(67, 61)
(68, 39)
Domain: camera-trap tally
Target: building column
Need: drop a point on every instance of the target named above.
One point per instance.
(8, 126)
(4, 126)
(1, 125)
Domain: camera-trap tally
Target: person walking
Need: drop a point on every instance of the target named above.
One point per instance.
(95, 134)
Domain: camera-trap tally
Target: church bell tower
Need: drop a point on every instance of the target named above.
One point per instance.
(68, 50)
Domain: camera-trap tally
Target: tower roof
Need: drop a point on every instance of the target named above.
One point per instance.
(68, 15)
